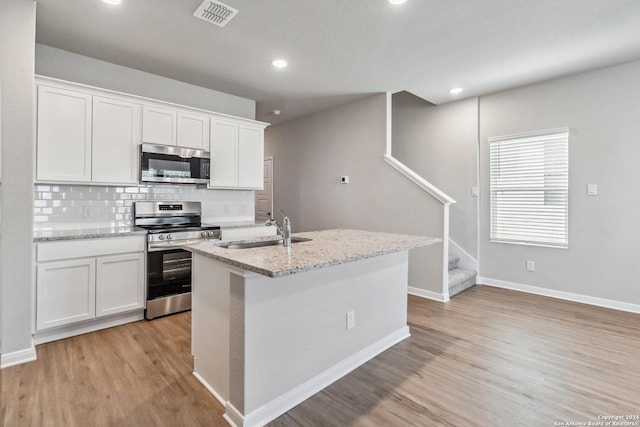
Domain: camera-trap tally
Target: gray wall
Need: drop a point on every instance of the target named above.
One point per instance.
(602, 109)
(440, 143)
(17, 39)
(69, 66)
(312, 153)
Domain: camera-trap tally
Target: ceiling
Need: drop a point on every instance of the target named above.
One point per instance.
(339, 50)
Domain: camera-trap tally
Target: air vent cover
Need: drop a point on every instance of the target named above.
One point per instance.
(215, 12)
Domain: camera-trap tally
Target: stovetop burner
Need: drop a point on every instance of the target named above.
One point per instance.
(171, 221)
(157, 229)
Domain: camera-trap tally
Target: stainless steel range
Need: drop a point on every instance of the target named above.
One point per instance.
(170, 226)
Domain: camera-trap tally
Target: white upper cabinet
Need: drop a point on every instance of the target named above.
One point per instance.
(193, 131)
(159, 125)
(251, 157)
(91, 135)
(237, 155)
(64, 135)
(116, 136)
(224, 153)
(174, 127)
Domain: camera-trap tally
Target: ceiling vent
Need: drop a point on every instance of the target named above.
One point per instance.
(215, 12)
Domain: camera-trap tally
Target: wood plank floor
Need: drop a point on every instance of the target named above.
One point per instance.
(490, 357)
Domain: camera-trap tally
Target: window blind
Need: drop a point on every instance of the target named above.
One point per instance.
(529, 188)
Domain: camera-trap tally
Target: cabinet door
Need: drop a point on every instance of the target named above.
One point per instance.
(116, 136)
(119, 284)
(64, 135)
(65, 292)
(250, 157)
(159, 126)
(224, 154)
(193, 131)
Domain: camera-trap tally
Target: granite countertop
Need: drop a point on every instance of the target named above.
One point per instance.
(327, 248)
(85, 233)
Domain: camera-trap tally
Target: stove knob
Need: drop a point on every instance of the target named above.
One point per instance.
(212, 234)
(169, 236)
(204, 234)
(161, 237)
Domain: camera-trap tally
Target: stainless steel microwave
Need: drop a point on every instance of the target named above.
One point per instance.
(178, 165)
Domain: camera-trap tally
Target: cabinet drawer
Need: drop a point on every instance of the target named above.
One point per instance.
(51, 251)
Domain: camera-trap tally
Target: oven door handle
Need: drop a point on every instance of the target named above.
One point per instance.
(167, 246)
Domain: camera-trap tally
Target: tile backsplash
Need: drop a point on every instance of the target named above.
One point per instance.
(59, 207)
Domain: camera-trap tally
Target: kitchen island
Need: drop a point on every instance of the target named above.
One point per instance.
(271, 326)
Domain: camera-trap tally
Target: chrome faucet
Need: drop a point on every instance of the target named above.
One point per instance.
(285, 230)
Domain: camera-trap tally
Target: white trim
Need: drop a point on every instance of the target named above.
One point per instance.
(422, 293)
(445, 252)
(18, 357)
(389, 123)
(208, 387)
(568, 296)
(534, 134)
(466, 260)
(233, 416)
(285, 402)
(100, 91)
(54, 334)
(418, 180)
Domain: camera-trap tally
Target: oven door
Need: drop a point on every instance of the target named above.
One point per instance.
(168, 273)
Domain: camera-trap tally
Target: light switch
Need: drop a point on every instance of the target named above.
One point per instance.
(344, 179)
(592, 189)
(475, 191)
(531, 266)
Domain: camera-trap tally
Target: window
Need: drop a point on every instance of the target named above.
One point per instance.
(530, 188)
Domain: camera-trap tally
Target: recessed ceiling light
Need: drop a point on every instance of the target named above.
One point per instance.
(113, 2)
(455, 90)
(397, 1)
(279, 63)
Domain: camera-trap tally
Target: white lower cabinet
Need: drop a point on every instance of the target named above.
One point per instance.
(80, 280)
(118, 280)
(66, 292)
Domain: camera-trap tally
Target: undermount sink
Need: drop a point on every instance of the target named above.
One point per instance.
(259, 244)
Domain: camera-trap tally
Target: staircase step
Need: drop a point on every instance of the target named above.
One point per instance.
(461, 279)
(453, 261)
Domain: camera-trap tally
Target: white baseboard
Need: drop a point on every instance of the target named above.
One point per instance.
(18, 357)
(208, 387)
(466, 260)
(422, 293)
(285, 402)
(59, 333)
(568, 296)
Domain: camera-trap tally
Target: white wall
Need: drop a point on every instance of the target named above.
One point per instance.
(61, 64)
(312, 153)
(440, 143)
(17, 40)
(602, 109)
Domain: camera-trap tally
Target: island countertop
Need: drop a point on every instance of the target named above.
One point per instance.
(326, 248)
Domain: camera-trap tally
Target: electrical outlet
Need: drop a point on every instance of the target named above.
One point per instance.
(531, 266)
(86, 212)
(226, 209)
(351, 319)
